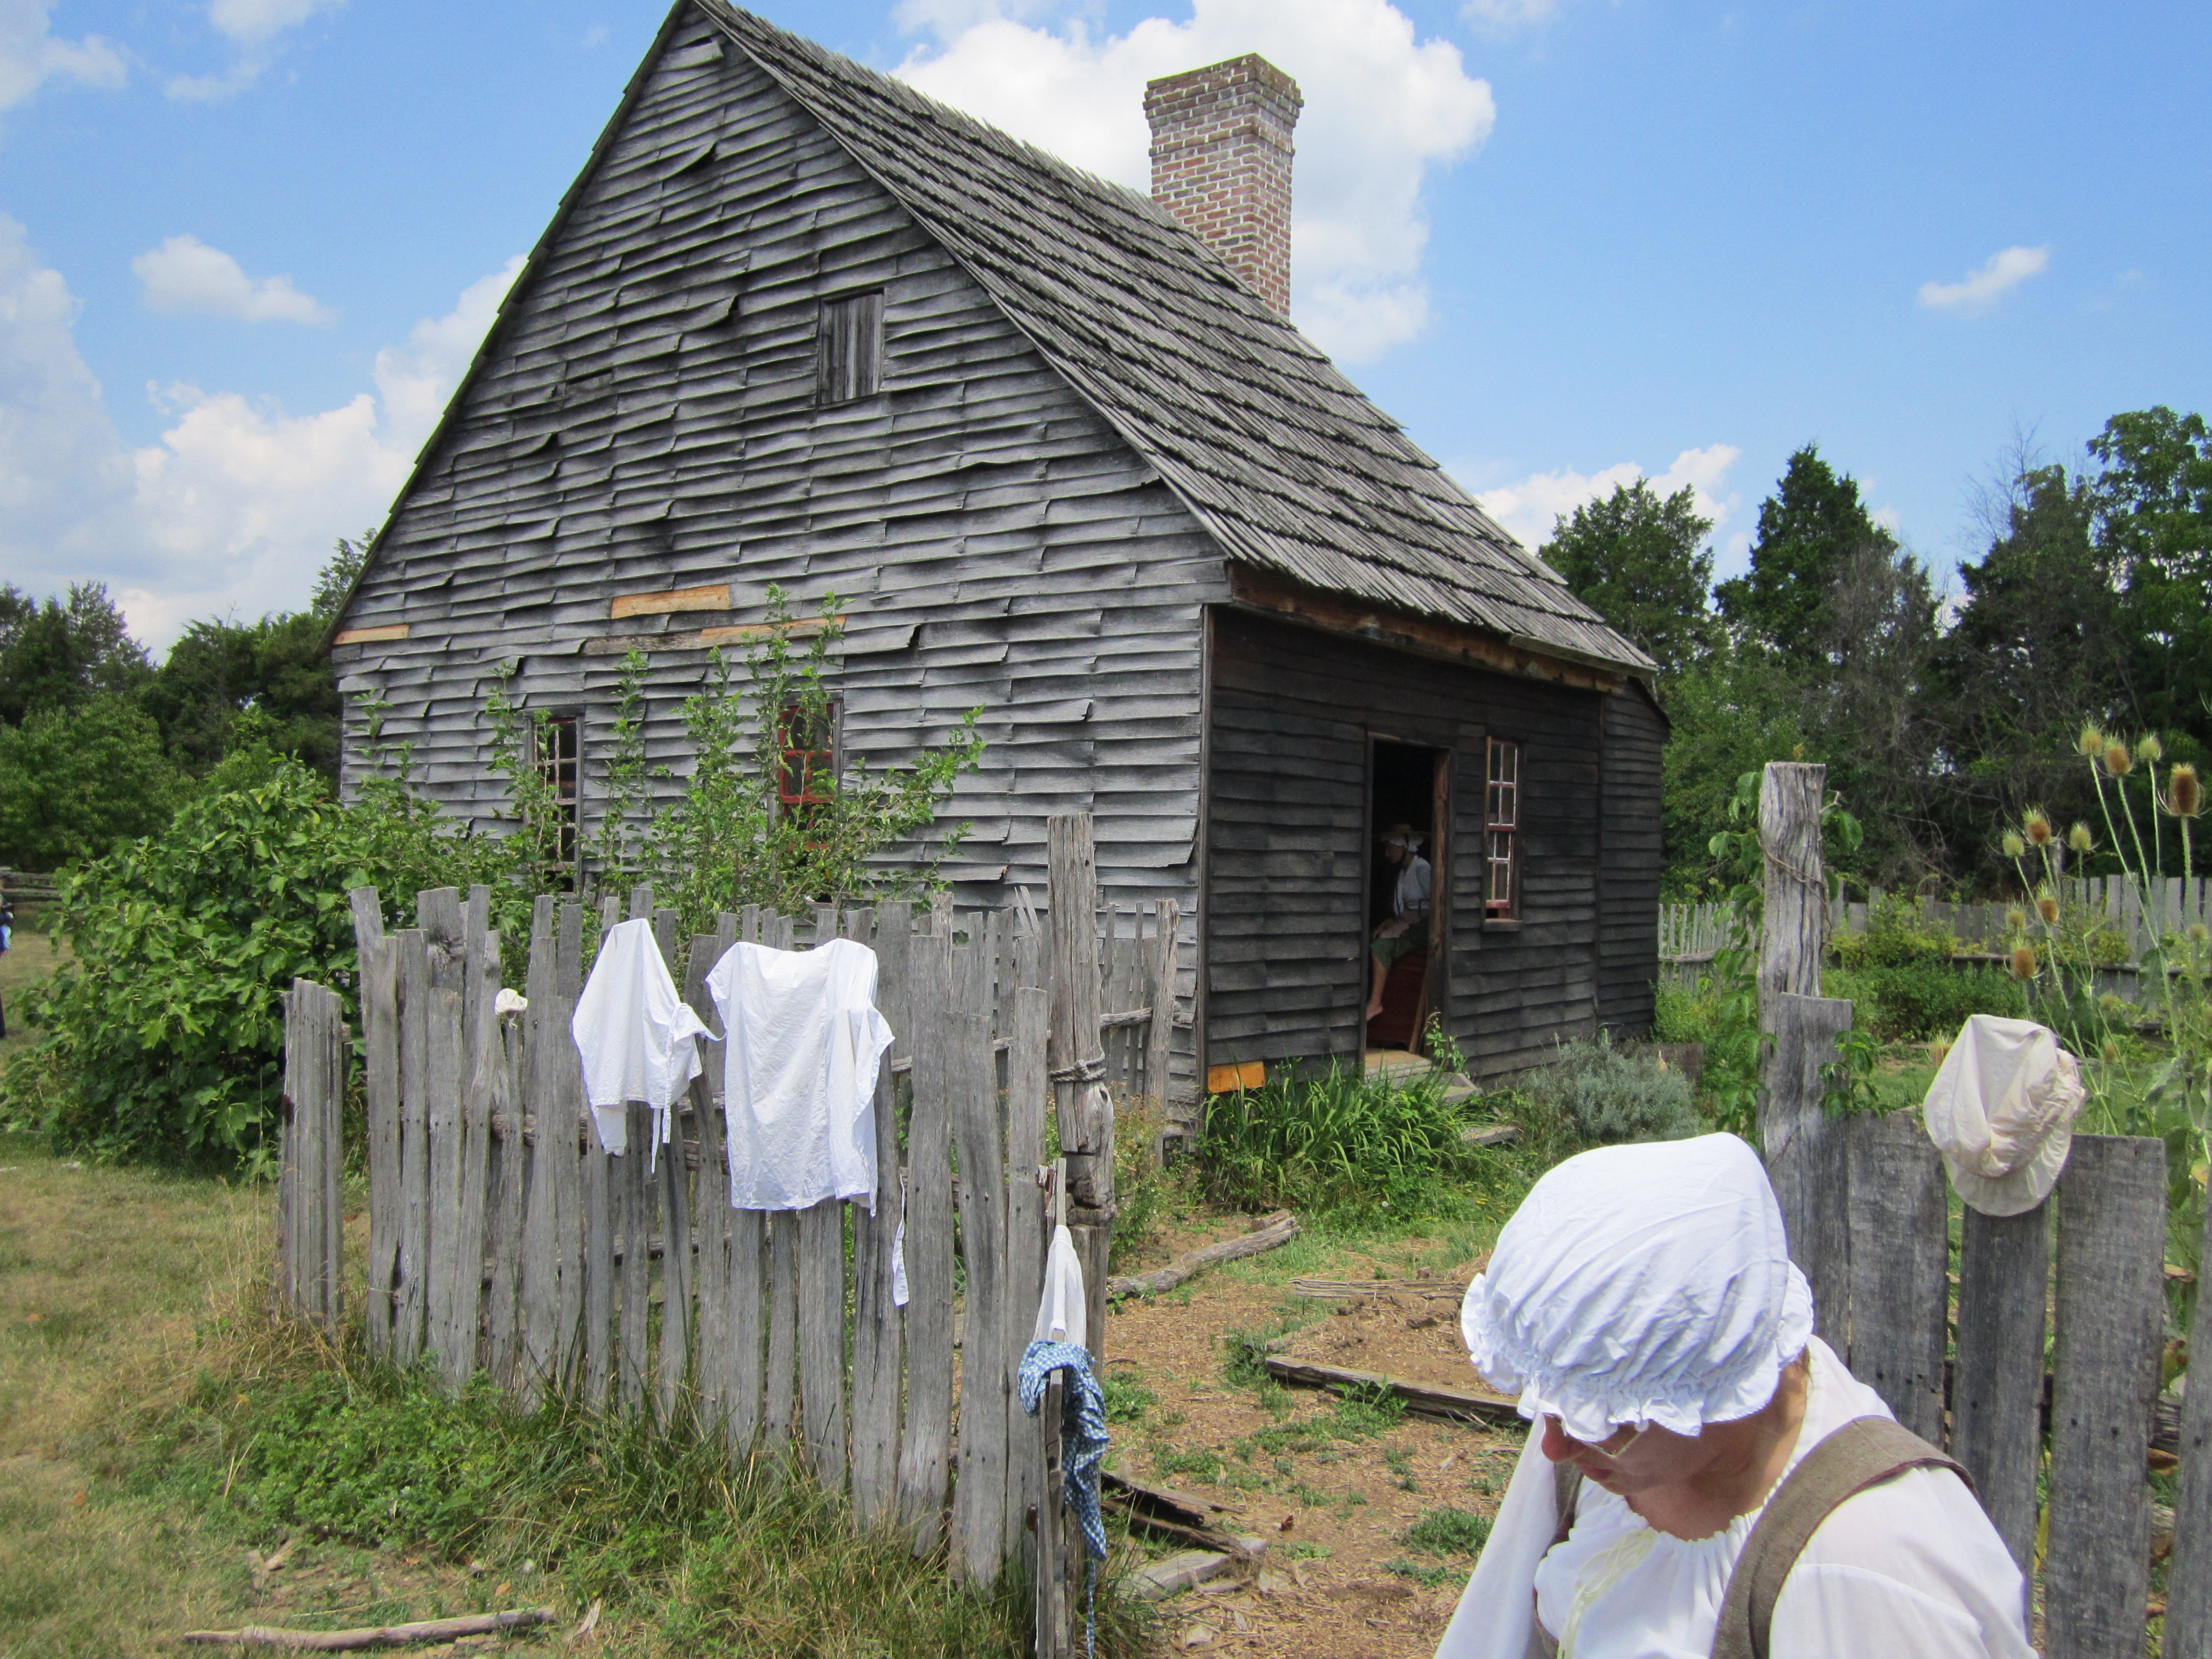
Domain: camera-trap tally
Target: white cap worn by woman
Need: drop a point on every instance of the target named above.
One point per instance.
(1642, 1304)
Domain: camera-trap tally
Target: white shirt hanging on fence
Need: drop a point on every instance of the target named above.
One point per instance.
(1063, 1314)
(636, 1034)
(804, 1040)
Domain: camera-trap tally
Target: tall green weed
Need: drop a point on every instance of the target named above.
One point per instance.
(1319, 1139)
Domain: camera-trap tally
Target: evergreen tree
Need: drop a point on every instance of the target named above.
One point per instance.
(1640, 562)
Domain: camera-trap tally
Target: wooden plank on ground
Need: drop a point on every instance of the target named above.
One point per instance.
(541, 1242)
(414, 1147)
(2108, 1323)
(1996, 1395)
(924, 1450)
(1900, 1258)
(379, 1009)
(1426, 1398)
(878, 1325)
(979, 1493)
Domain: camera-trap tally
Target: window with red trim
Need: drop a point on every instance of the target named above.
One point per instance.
(806, 772)
(1501, 832)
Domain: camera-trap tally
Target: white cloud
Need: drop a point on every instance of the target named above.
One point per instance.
(1502, 15)
(1531, 508)
(30, 55)
(253, 26)
(235, 508)
(185, 274)
(251, 23)
(1382, 107)
(2005, 270)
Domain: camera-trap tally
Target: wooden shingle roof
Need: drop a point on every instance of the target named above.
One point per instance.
(1285, 462)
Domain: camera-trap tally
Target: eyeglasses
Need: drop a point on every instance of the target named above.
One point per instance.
(1606, 1448)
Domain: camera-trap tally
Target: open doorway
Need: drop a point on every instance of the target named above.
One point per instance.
(1409, 787)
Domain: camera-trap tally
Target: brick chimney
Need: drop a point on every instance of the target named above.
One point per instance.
(1221, 163)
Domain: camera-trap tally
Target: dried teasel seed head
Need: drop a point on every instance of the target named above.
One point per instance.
(2039, 832)
(2047, 907)
(2022, 962)
(2092, 741)
(2185, 792)
(2013, 846)
(2112, 1052)
(2015, 920)
(2079, 839)
(2149, 748)
(2117, 761)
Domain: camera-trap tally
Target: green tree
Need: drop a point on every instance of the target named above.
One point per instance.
(55, 655)
(219, 670)
(1640, 561)
(1809, 532)
(2153, 504)
(334, 584)
(75, 780)
(1732, 711)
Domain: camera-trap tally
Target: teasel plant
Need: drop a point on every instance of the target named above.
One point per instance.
(2052, 946)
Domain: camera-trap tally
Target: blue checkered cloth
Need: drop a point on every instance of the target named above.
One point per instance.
(1083, 1448)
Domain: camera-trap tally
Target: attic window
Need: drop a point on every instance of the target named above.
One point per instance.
(848, 357)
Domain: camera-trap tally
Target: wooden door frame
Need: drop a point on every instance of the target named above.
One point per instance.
(1440, 785)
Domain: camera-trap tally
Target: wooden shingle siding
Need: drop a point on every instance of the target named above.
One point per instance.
(1628, 953)
(1293, 711)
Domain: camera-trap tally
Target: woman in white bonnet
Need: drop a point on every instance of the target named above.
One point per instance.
(1642, 1304)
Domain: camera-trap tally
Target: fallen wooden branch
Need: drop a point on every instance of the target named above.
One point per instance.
(380, 1635)
(1427, 1399)
(1277, 1229)
(1353, 1290)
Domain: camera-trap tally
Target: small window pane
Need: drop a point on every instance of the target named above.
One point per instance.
(559, 740)
(850, 349)
(1501, 828)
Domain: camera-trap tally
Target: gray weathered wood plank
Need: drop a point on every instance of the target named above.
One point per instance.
(979, 1506)
(1899, 1267)
(1028, 1090)
(446, 1267)
(2188, 1628)
(1805, 1155)
(1083, 1107)
(567, 1117)
(408, 1323)
(542, 1245)
(2108, 1317)
(1996, 1395)
(708, 1204)
(505, 1221)
(379, 1006)
(924, 1450)
(628, 1173)
(822, 1339)
(1159, 1035)
(781, 1412)
(878, 1325)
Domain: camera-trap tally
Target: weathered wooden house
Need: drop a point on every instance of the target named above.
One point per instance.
(1060, 455)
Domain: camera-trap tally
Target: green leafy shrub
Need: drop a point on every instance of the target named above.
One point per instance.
(164, 1032)
(76, 779)
(1913, 1001)
(1448, 1531)
(1320, 1140)
(1680, 1015)
(1608, 1096)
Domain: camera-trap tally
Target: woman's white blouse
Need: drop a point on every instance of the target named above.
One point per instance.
(1910, 1570)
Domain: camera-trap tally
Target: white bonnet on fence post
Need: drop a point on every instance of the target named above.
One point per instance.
(2001, 1111)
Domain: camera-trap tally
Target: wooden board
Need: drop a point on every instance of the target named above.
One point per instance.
(979, 1507)
(1899, 1267)
(1996, 1395)
(1029, 1089)
(2188, 1626)
(567, 1121)
(408, 1327)
(925, 1449)
(821, 1295)
(1806, 1153)
(2108, 1317)
(878, 1324)
(446, 1266)
(709, 1202)
(379, 1004)
(504, 1222)
(542, 1245)
(780, 1415)
(634, 1225)
(1428, 1398)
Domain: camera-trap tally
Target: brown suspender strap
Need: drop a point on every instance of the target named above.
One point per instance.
(1566, 1488)
(1865, 1452)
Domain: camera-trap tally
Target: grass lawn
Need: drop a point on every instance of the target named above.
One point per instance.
(33, 958)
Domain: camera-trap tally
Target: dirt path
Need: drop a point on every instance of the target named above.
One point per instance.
(1335, 1489)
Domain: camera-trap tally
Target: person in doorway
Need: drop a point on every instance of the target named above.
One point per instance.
(1703, 1475)
(1406, 928)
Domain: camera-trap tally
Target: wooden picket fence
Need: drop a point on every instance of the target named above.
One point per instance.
(500, 1244)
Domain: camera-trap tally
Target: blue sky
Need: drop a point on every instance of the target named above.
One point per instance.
(246, 245)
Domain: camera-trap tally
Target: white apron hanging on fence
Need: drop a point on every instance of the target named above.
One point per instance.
(800, 1066)
(636, 1035)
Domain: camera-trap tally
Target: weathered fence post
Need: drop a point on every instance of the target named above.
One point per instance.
(1794, 886)
(2107, 1322)
(379, 1025)
(1079, 1059)
(1996, 1390)
(2188, 1578)
(1806, 1153)
(878, 1324)
(979, 1493)
(310, 1154)
(924, 1452)
(1898, 1267)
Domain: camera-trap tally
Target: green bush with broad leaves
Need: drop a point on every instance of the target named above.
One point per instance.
(165, 1029)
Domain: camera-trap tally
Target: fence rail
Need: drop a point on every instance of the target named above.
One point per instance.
(502, 1240)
